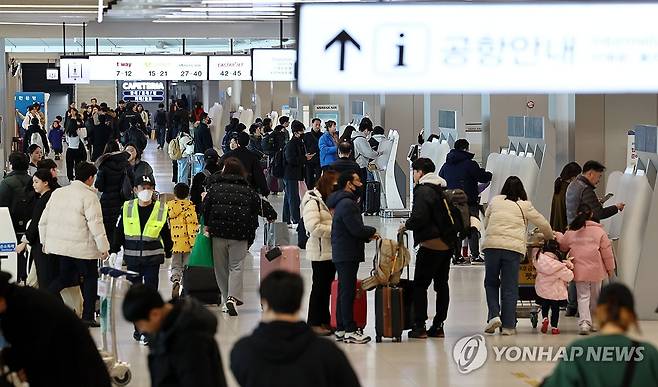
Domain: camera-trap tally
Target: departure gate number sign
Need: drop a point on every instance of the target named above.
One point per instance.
(229, 68)
(149, 68)
(400, 48)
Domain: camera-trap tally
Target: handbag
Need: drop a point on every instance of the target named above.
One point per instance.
(201, 254)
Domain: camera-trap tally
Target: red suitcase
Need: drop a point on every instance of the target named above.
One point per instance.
(288, 261)
(360, 305)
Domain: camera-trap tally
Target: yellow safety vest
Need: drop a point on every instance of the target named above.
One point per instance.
(147, 243)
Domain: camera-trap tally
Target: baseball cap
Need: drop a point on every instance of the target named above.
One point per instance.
(210, 154)
(144, 180)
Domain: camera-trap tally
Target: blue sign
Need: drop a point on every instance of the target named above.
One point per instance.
(7, 247)
(24, 99)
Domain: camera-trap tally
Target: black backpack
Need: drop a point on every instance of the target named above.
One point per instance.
(459, 200)
(22, 206)
(448, 219)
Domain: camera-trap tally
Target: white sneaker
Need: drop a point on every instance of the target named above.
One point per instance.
(356, 337)
(143, 340)
(224, 308)
(508, 332)
(339, 335)
(230, 306)
(584, 329)
(492, 325)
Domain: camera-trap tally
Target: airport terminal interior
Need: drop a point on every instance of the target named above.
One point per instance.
(529, 93)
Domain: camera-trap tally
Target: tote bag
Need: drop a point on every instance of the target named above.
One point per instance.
(201, 254)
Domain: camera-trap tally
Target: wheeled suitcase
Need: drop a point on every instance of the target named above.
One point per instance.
(373, 198)
(200, 283)
(360, 310)
(288, 261)
(389, 313)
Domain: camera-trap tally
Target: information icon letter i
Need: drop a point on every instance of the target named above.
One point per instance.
(401, 51)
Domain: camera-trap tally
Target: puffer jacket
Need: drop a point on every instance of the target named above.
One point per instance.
(328, 149)
(72, 223)
(183, 223)
(581, 191)
(591, 250)
(112, 167)
(462, 172)
(363, 153)
(552, 277)
(506, 224)
(231, 208)
(317, 220)
(428, 208)
(348, 233)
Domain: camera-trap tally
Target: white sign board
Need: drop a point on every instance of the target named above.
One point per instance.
(52, 74)
(508, 48)
(149, 68)
(273, 64)
(229, 68)
(74, 70)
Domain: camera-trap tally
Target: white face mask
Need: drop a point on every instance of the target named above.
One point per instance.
(145, 195)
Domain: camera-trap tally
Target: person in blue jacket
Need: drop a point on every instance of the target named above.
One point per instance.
(328, 145)
(461, 172)
(348, 238)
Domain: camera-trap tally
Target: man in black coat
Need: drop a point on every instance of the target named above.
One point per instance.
(283, 350)
(251, 163)
(295, 157)
(311, 139)
(102, 134)
(183, 351)
(345, 162)
(348, 238)
(49, 345)
(202, 136)
(211, 157)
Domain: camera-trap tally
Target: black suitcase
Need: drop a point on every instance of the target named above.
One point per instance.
(200, 283)
(389, 313)
(373, 198)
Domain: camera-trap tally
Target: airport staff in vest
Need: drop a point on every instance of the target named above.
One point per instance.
(145, 236)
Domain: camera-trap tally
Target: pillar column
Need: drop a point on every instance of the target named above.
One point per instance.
(6, 114)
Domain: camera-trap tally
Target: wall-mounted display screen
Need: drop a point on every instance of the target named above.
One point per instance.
(273, 64)
(229, 68)
(149, 68)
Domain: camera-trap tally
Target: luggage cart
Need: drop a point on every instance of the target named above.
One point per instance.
(109, 285)
(526, 306)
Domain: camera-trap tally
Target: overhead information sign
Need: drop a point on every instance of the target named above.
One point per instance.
(149, 68)
(229, 68)
(273, 64)
(74, 70)
(401, 48)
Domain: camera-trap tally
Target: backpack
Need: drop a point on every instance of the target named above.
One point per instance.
(279, 167)
(22, 206)
(459, 200)
(175, 152)
(454, 229)
(391, 257)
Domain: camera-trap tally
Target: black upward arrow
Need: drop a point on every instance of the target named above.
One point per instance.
(343, 37)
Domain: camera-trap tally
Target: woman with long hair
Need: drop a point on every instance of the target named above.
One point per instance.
(559, 204)
(75, 152)
(506, 221)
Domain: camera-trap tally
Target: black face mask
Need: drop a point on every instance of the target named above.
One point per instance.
(358, 191)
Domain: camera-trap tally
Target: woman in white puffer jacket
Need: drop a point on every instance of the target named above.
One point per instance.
(506, 223)
(317, 221)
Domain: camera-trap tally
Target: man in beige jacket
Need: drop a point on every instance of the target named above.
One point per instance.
(72, 231)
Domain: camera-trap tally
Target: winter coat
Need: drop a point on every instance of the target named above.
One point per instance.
(112, 167)
(55, 136)
(343, 164)
(27, 140)
(256, 145)
(553, 277)
(461, 172)
(202, 138)
(142, 168)
(72, 223)
(559, 208)
(251, 163)
(199, 184)
(231, 208)
(427, 210)
(137, 137)
(102, 135)
(363, 153)
(288, 354)
(311, 145)
(328, 149)
(348, 233)
(13, 185)
(295, 159)
(59, 350)
(591, 250)
(184, 352)
(506, 224)
(32, 232)
(186, 144)
(581, 191)
(128, 119)
(183, 223)
(317, 221)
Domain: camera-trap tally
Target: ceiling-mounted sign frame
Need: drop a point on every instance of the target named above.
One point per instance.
(149, 68)
(478, 47)
(74, 70)
(273, 64)
(229, 68)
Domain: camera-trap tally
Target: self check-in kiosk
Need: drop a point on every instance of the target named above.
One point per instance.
(8, 256)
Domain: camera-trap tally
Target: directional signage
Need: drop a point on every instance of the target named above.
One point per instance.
(143, 91)
(149, 68)
(273, 64)
(476, 47)
(74, 70)
(229, 68)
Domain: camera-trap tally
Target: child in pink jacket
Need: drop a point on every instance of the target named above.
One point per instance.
(553, 275)
(593, 260)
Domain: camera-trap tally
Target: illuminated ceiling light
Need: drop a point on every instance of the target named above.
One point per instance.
(39, 24)
(202, 17)
(238, 9)
(50, 11)
(48, 6)
(100, 11)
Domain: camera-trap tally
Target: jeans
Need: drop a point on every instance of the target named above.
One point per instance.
(69, 271)
(346, 293)
(149, 275)
(474, 238)
(229, 257)
(178, 262)
(501, 283)
(161, 132)
(588, 295)
(313, 172)
(291, 201)
(318, 304)
(554, 307)
(199, 163)
(431, 265)
(573, 297)
(184, 170)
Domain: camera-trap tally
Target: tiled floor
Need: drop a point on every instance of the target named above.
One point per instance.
(410, 363)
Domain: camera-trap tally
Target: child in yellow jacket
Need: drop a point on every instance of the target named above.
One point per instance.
(184, 228)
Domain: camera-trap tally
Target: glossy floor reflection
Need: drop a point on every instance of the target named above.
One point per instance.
(419, 363)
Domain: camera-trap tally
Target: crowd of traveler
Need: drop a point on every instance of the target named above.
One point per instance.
(111, 208)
